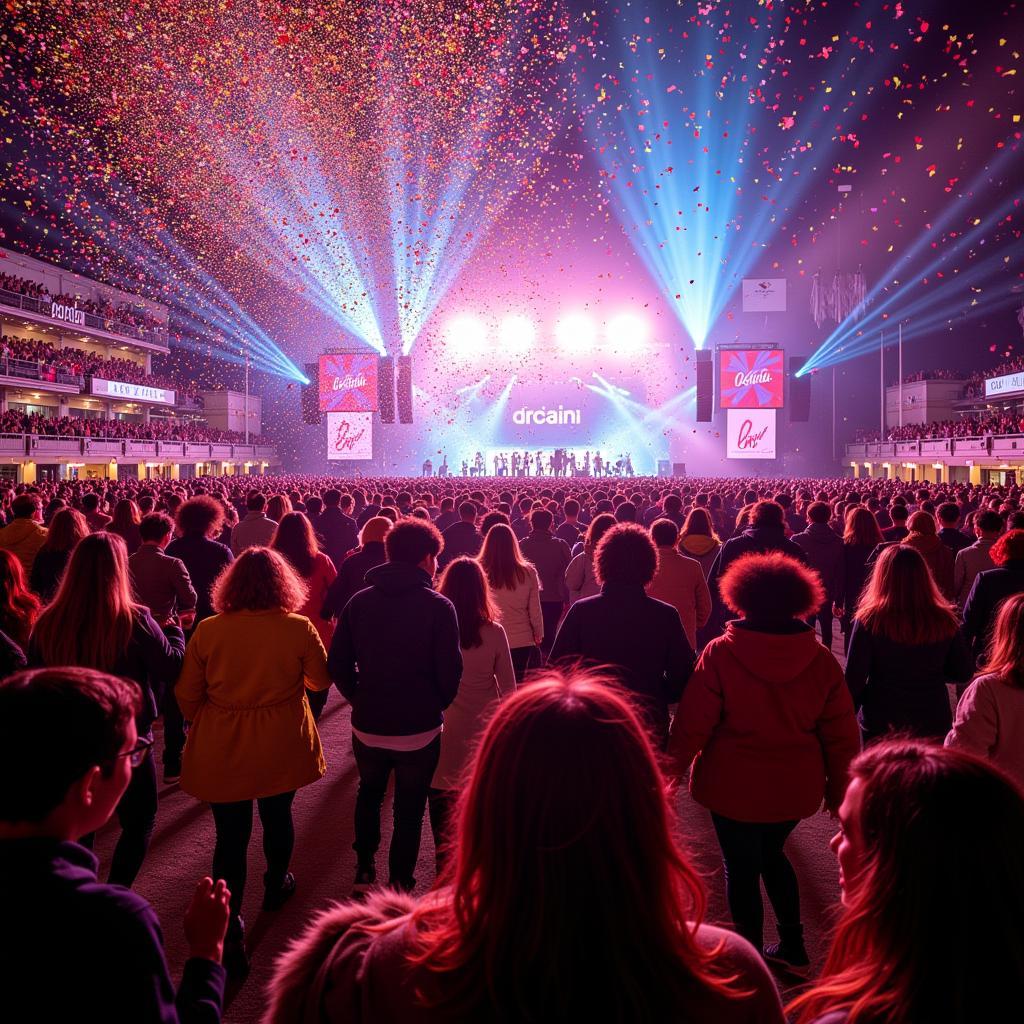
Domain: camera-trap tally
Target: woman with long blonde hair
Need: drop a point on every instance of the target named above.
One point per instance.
(94, 622)
(905, 646)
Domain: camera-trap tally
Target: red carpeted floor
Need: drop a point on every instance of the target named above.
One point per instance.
(324, 863)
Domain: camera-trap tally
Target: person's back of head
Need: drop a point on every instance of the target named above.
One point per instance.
(491, 520)
(948, 514)
(259, 580)
(664, 533)
(1009, 548)
(564, 789)
(331, 497)
(155, 527)
(899, 515)
(255, 501)
(771, 588)
(922, 523)
(932, 857)
(90, 502)
(571, 509)
(625, 556)
(819, 512)
(672, 504)
(767, 513)
(989, 524)
(26, 506)
(412, 541)
(467, 512)
(540, 520)
(200, 517)
(626, 512)
(447, 505)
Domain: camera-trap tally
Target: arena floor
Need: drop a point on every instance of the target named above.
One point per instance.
(324, 863)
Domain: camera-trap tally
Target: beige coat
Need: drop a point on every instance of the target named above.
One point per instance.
(679, 581)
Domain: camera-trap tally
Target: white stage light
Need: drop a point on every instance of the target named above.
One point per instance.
(576, 333)
(516, 334)
(627, 334)
(466, 337)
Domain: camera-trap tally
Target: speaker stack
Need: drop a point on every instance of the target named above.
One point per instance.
(386, 389)
(705, 385)
(310, 396)
(799, 392)
(405, 389)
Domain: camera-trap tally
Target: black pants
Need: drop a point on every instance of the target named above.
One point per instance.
(824, 619)
(317, 701)
(551, 612)
(233, 823)
(526, 659)
(174, 728)
(752, 851)
(442, 810)
(136, 812)
(414, 771)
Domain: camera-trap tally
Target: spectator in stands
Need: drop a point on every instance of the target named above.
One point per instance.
(991, 587)
(295, 540)
(905, 647)
(19, 607)
(514, 588)
(976, 557)
(989, 718)
(580, 578)
(698, 539)
(861, 537)
(678, 580)
(252, 738)
(24, 535)
(67, 528)
(337, 529)
(395, 657)
(94, 515)
(255, 530)
(125, 523)
(353, 570)
(550, 556)
(825, 554)
(639, 639)
(487, 677)
(931, 858)
(899, 514)
(461, 538)
(924, 539)
(565, 789)
(103, 941)
(948, 515)
(771, 725)
(160, 581)
(94, 622)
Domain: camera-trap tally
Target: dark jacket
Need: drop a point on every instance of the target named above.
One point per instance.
(395, 654)
(954, 539)
(460, 538)
(990, 589)
(205, 561)
(894, 534)
(350, 578)
(856, 570)
(824, 551)
(339, 534)
(641, 639)
(47, 571)
(550, 557)
(161, 582)
(152, 659)
(902, 687)
(105, 939)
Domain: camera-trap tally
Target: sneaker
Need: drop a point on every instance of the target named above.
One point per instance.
(172, 772)
(275, 899)
(790, 957)
(366, 878)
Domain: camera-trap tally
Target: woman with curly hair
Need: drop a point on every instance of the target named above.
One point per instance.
(252, 738)
(931, 869)
(767, 722)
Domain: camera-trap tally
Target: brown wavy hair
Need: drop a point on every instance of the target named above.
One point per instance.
(465, 585)
(1006, 654)
(862, 527)
(259, 580)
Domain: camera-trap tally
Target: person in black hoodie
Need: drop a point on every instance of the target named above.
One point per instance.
(824, 550)
(766, 532)
(352, 572)
(396, 658)
(94, 622)
(72, 948)
(337, 530)
(991, 588)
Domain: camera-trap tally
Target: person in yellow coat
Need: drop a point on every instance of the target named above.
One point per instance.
(252, 736)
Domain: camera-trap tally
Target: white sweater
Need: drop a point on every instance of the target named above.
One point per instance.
(520, 611)
(990, 722)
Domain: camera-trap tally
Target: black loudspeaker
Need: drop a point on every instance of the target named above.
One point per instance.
(311, 414)
(386, 389)
(679, 469)
(405, 389)
(799, 392)
(705, 385)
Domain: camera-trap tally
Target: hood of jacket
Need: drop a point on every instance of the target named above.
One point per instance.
(398, 577)
(698, 544)
(774, 657)
(303, 972)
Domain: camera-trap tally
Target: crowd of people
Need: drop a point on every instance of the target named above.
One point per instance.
(157, 429)
(964, 426)
(132, 315)
(531, 664)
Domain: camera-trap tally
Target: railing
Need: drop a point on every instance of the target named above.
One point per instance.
(989, 446)
(132, 448)
(42, 307)
(30, 369)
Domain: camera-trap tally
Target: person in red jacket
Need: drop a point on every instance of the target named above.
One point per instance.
(768, 723)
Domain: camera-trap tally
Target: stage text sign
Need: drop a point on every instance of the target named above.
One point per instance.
(751, 434)
(349, 435)
(750, 378)
(1008, 384)
(348, 382)
(132, 392)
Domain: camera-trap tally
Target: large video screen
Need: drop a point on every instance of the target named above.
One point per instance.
(348, 382)
(751, 378)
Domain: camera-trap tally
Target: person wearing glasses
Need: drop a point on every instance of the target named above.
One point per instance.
(94, 622)
(102, 942)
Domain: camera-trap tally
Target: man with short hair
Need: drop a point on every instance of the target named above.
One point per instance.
(551, 557)
(824, 550)
(160, 582)
(948, 515)
(96, 519)
(396, 658)
(337, 528)
(977, 557)
(461, 538)
(255, 530)
(25, 534)
(570, 529)
(895, 533)
(71, 947)
(447, 515)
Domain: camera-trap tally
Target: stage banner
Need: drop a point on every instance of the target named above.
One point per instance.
(764, 295)
(349, 435)
(348, 382)
(751, 434)
(751, 378)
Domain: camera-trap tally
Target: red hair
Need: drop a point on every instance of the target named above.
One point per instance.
(19, 607)
(565, 869)
(1009, 548)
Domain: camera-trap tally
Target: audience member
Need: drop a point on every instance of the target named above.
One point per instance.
(352, 571)
(24, 535)
(580, 578)
(679, 581)
(550, 556)
(161, 582)
(698, 539)
(67, 528)
(861, 536)
(977, 557)
(337, 529)
(825, 553)
(19, 607)
(991, 587)
(125, 523)
(937, 555)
